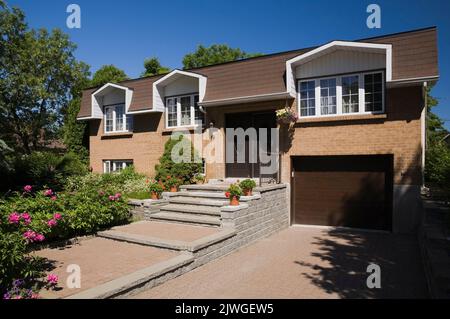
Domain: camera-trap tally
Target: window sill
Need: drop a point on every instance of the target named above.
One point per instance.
(338, 118)
(192, 129)
(116, 135)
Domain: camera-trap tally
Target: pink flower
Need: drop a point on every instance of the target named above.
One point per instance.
(52, 279)
(101, 193)
(52, 223)
(14, 218)
(57, 216)
(29, 235)
(32, 236)
(34, 296)
(48, 192)
(39, 237)
(27, 188)
(117, 196)
(53, 198)
(111, 197)
(26, 218)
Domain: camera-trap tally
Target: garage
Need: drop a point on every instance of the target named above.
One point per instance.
(348, 191)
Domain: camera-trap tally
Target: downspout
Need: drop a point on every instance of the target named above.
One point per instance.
(424, 125)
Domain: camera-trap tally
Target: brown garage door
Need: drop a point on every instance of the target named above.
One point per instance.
(350, 191)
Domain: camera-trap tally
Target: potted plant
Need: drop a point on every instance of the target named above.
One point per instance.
(172, 183)
(155, 189)
(247, 186)
(234, 192)
(286, 116)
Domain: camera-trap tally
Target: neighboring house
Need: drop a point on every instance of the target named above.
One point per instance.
(355, 157)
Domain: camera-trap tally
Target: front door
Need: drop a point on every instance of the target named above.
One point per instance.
(247, 120)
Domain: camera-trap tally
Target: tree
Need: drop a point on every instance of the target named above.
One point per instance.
(216, 53)
(38, 71)
(437, 161)
(153, 67)
(74, 131)
(435, 126)
(108, 73)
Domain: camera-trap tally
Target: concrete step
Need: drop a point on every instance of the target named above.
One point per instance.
(192, 209)
(187, 218)
(220, 188)
(197, 201)
(202, 194)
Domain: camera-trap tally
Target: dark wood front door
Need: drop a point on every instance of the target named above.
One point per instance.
(350, 191)
(247, 120)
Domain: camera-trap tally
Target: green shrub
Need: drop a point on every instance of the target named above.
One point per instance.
(437, 168)
(185, 171)
(43, 169)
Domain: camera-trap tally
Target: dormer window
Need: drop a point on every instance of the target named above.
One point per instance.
(116, 120)
(361, 93)
(183, 111)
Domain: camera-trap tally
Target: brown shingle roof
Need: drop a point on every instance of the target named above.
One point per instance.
(414, 55)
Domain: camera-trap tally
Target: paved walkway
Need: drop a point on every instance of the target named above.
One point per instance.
(100, 260)
(306, 263)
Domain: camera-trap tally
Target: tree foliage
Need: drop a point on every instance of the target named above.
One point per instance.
(108, 73)
(216, 53)
(38, 72)
(437, 161)
(153, 67)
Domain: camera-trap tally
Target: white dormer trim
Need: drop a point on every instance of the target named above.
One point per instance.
(96, 98)
(331, 47)
(158, 87)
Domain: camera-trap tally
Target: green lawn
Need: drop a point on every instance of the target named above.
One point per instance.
(139, 195)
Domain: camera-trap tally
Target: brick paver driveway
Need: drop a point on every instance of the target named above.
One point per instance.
(304, 262)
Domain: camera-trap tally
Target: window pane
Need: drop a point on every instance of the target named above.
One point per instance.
(185, 103)
(328, 96)
(199, 116)
(307, 98)
(109, 119)
(120, 114)
(171, 112)
(350, 94)
(373, 87)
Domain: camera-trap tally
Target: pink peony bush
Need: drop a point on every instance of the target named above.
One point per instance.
(30, 218)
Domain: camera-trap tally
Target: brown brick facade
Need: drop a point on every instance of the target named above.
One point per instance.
(398, 132)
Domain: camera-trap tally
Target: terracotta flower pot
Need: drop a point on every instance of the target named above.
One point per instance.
(234, 201)
(173, 189)
(248, 192)
(154, 195)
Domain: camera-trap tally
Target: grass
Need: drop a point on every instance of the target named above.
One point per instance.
(139, 195)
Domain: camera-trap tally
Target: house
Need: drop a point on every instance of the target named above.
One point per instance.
(355, 156)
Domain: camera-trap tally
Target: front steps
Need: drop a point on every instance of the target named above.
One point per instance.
(195, 205)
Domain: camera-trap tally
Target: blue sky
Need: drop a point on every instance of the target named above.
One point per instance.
(124, 33)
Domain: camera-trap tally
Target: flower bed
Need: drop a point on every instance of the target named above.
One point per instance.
(28, 218)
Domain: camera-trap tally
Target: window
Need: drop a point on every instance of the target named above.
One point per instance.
(328, 96)
(115, 166)
(183, 111)
(307, 98)
(348, 94)
(199, 115)
(373, 90)
(116, 120)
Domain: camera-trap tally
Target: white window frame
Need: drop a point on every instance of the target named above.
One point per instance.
(126, 118)
(361, 95)
(178, 110)
(107, 165)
